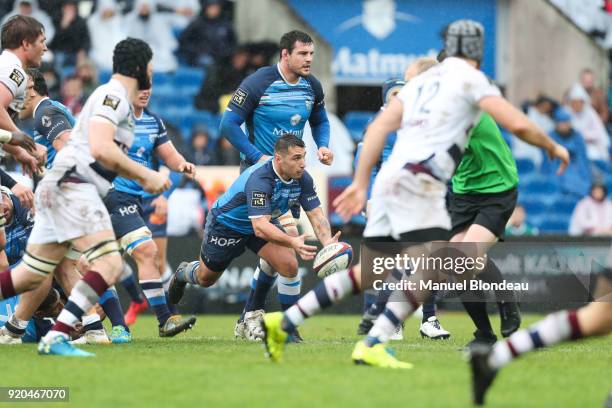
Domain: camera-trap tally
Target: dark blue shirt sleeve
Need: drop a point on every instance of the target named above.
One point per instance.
(246, 98)
(162, 133)
(230, 129)
(51, 122)
(318, 120)
(258, 190)
(308, 196)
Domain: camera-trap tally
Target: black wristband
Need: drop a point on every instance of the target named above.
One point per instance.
(6, 180)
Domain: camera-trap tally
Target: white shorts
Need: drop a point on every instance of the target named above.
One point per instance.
(66, 212)
(403, 201)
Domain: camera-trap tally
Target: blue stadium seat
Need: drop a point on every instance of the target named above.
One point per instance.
(185, 76)
(554, 226)
(533, 206)
(539, 186)
(104, 76)
(525, 166)
(356, 122)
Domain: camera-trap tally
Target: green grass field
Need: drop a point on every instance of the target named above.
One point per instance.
(206, 367)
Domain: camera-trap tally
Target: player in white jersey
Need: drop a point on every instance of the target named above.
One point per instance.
(432, 115)
(69, 207)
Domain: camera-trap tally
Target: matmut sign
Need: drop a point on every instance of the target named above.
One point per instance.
(374, 40)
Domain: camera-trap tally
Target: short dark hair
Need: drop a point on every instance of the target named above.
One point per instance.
(286, 141)
(288, 40)
(40, 85)
(19, 28)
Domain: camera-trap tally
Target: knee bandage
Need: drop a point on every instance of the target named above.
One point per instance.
(103, 248)
(131, 240)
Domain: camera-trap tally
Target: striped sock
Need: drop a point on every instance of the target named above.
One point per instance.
(330, 291)
(188, 274)
(396, 311)
(7, 290)
(154, 292)
(129, 283)
(112, 307)
(288, 291)
(84, 295)
(553, 329)
(92, 322)
(266, 276)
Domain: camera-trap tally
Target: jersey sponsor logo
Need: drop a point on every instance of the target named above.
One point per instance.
(308, 104)
(46, 121)
(17, 77)
(280, 132)
(222, 241)
(240, 96)
(112, 101)
(258, 199)
(295, 119)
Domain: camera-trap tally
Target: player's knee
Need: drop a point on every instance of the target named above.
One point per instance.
(288, 266)
(145, 253)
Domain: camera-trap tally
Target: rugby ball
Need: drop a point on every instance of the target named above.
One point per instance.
(333, 258)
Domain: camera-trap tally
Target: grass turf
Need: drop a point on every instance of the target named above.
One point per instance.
(206, 367)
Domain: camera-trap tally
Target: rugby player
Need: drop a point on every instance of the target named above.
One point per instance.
(246, 216)
(70, 211)
(432, 115)
(275, 100)
(125, 203)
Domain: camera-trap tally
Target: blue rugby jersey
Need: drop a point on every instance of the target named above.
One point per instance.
(270, 107)
(149, 133)
(260, 191)
(51, 119)
(17, 232)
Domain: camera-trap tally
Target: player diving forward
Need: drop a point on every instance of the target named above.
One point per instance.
(275, 100)
(70, 211)
(246, 216)
(125, 204)
(432, 115)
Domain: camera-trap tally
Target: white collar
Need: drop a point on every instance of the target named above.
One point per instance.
(285, 79)
(281, 179)
(38, 104)
(14, 57)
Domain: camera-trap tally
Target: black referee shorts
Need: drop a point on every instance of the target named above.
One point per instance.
(491, 211)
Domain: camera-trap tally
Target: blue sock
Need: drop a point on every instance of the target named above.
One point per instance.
(251, 293)
(429, 307)
(189, 274)
(288, 291)
(262, 286)
(154, 292)
(130, 285)
(110, 303)
(383, 295)
(369, 298)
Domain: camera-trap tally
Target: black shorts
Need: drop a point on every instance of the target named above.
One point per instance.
(491, 211)
(221, 245)
(126, 212)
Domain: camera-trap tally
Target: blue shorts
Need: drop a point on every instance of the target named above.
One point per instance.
(125, 211)
(221, 245)
(159, 230)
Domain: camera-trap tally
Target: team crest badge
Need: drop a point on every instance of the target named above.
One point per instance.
(111, 101)
(46, 121)
(295, 119)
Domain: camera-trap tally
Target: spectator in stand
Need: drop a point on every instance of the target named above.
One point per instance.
(179, 12)
(200, 153)
(106, 29)
(541, 113)
(227, 154)
(261, 54)
(52, 80)
(517, 225)
(86, 70)
(71, 42)
(599, 100)
(30, 8)
(586, 121)
(72, 94)
(593, 214)
(223, 79)
(208, 38)
(145, 23)
(576, 179)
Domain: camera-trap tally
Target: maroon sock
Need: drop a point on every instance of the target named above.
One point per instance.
(7, 290)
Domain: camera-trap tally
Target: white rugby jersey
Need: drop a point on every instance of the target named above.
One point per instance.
(440, 108)
(13, 76)
(110, 102)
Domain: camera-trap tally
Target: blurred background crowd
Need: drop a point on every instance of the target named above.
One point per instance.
(199, 62)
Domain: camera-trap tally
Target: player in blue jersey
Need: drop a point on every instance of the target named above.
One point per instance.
(246, 216)
(375, 304)
(274, 100)
(125, 205)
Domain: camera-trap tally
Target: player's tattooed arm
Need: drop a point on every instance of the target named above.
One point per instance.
(321, 226)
